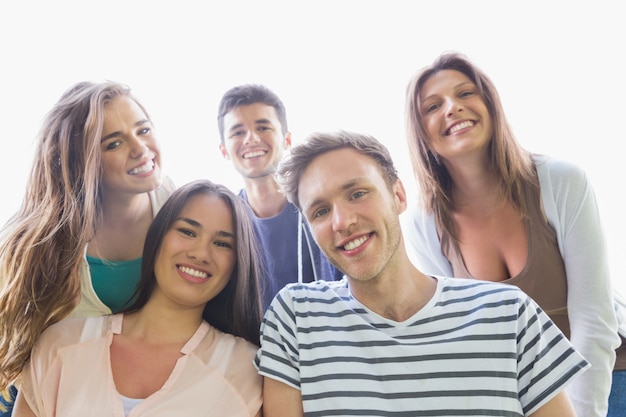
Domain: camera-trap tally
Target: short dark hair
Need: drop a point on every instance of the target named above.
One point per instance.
(245, 94)
(290, 169)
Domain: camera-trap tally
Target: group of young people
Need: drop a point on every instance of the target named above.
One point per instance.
(319, 289)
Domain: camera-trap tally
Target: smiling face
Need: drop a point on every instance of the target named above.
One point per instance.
(130, 153)
(455, 115)
(352, 212)
(254, 140)
(197, 255)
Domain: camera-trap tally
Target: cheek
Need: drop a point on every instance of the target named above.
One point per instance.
(110, 165)
(321, 232)
(159, 264)
(229, 265)
(432, 127)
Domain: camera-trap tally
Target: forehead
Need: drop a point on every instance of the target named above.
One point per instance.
(333, 172)
(122, 107)
(444, 80)
(250, 113)
(210, 210)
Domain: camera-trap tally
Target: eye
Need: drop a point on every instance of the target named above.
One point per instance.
(430, 108)
(186, 232)
(358, 194)
(264, 128)
(467, 93)
(144, 131)
(236, 134)
(223, 244)
(113, 145)
(320, 212)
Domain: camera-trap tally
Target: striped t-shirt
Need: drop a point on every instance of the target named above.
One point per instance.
(476, 349)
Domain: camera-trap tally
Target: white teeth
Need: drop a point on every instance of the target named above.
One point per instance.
(355, 243)
(193, 272)
(144, 168)
(460, 126)
(253, 154)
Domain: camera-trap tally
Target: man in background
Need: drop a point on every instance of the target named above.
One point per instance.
(252, 122)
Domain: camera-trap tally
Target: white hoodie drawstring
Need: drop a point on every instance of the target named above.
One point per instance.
(300, 225)
(302, 229)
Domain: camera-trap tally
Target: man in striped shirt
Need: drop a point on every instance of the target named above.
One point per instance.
(388, 340)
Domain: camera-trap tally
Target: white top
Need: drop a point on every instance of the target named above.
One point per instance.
(570, 207)
(473, 347)
(90, 305)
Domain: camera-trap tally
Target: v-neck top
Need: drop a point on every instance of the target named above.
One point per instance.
(543, 276)
(69, 374)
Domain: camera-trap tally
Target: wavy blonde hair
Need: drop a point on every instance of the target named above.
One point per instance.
(43, 244)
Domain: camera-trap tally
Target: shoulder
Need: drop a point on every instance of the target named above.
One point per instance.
(217, 340)
(162, 193)
(303, 296)
(226, 351)
(558, 171)
(68, 332)
(473, 290)
(316, 287)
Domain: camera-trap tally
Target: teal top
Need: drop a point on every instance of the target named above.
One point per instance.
(114, 281)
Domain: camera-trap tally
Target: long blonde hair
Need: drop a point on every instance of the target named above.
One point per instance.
(508, 159)
(43, 244)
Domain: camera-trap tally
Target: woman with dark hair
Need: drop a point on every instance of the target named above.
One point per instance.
(186, 345)
(491, 210)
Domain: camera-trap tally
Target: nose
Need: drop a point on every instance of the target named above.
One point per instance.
(452, 107)
(200, 251)
(138, 148)
(252, 137)
(343, 217)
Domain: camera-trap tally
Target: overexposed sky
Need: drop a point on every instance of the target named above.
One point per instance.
(341, 64)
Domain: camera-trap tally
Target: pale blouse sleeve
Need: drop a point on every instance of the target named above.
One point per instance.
(571, 208)
(422, 242)
(39, 381)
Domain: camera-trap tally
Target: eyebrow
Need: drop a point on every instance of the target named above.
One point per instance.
(457, 86)
(256, 122)
(192, 222)
(118, 133)
(345, 186)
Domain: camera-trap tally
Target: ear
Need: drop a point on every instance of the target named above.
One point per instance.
(223, 151)
(399, 194)
(287, 141)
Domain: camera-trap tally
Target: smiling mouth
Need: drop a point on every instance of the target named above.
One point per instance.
(194, 272)
(147, 167)
(255, 154)
(353, 244)
(462, 125)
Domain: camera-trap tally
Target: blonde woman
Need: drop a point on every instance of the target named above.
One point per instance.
(74, 246)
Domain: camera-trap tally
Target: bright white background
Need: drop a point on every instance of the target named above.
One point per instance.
(558, 66)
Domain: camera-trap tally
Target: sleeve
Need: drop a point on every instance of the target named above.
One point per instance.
(593, 323)
(547, 362)
(422, 242)
(242, 375)
(38, 382)
(278, 358)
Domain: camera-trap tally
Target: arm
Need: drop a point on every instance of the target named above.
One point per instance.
(560, 405)
(572, 211)
(21, 407)
(281, 400)
(422, 242)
